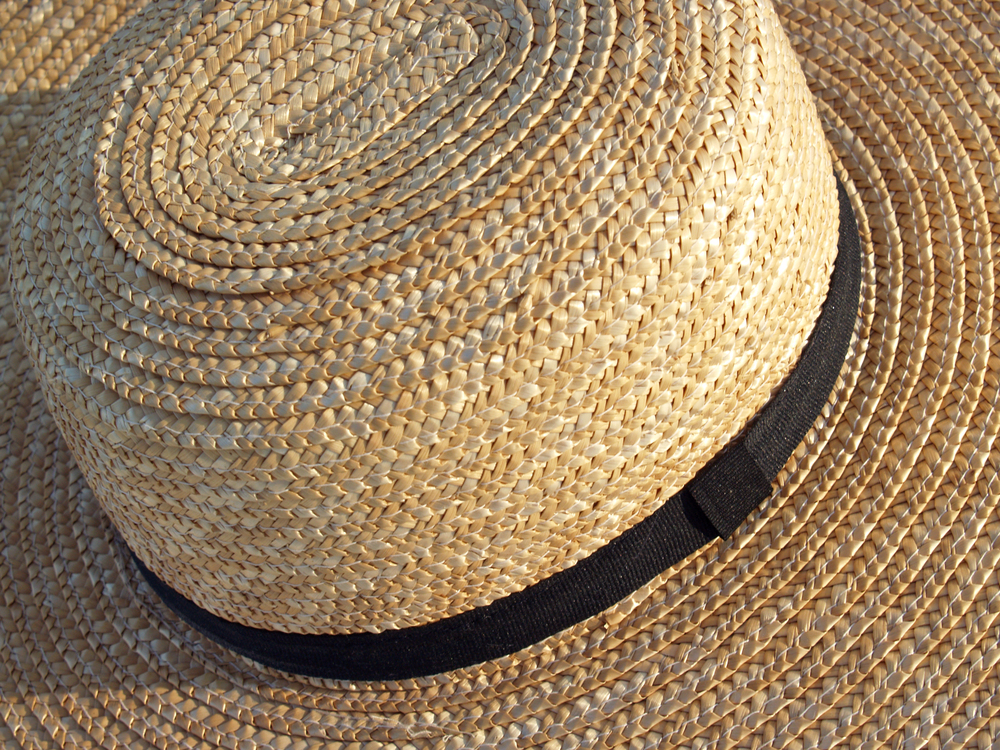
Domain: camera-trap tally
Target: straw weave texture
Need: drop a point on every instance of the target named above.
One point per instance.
(860, 607)
(356, 319)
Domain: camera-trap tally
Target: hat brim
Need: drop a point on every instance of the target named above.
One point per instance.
(860, 604)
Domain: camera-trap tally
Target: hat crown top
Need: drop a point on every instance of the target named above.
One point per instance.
(379, 313)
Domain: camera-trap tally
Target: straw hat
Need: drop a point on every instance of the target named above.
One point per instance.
(499, 374)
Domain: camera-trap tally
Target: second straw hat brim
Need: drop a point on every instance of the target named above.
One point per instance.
(861, 605)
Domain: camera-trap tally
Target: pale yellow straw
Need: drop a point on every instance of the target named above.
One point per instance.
(355, 318)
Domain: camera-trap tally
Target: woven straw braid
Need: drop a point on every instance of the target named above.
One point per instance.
(357, 318)
(45, 46)
(859, 608)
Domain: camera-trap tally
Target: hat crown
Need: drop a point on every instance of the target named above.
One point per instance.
(357, 317)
